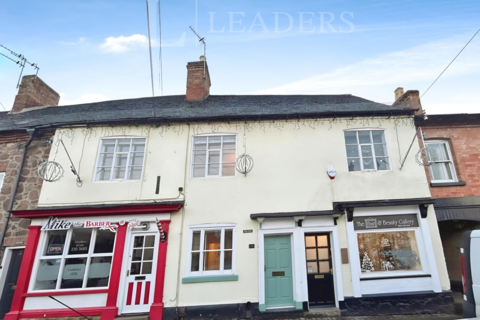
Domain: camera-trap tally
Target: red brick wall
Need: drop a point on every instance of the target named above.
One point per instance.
(465, 146)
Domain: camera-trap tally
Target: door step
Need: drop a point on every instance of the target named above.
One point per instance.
(143, 316)
(322, 312)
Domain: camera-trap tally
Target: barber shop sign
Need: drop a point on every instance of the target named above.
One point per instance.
(61, 224)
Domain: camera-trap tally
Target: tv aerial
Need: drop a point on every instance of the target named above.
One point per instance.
(204, 57)
(202, 41)
(21, 63)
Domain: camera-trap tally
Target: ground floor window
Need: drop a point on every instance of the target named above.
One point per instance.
(211, 250)
(388, 251)
(75, 258)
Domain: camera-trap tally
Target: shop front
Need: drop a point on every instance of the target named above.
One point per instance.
(396, 261)
(99, 261)
(368, 257)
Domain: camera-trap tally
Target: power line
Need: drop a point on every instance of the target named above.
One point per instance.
(450, 64)
(3, 106)
(150, 50)
(160, 53)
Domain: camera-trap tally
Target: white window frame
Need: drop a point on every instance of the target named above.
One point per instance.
(373, 150)
(448, 162)
(2, 177)
(400, 273)
(64, 256)
(202, 229)
(114, 155)
(206, 156)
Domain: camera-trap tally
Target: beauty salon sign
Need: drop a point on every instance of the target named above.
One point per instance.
(386, 222)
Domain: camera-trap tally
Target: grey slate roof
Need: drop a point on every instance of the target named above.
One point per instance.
(172, 109)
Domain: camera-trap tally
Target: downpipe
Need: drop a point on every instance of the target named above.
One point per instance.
(31, 132)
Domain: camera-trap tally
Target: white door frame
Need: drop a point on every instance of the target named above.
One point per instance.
(300, 284)
(336, 261)
(122, 291)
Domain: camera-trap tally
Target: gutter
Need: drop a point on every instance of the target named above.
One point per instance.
(222, 118)
(31, 132)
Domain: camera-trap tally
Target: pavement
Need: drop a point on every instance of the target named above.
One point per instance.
(392, 317)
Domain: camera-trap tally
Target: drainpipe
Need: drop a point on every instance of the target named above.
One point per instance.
(31, 132)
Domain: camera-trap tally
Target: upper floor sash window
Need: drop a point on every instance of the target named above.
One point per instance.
(214, 156)
(2, 176)
(366, 150)
(442, 168)
(120, 159)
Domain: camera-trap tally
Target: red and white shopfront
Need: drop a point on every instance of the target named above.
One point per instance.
(100, 261)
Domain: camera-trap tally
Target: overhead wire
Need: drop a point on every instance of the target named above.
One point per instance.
(150, 49)
(160, 50)
(450, 63)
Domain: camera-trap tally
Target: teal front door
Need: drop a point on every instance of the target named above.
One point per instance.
(278, 272)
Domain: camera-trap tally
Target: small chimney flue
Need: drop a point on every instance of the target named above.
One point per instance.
(198, 80)
(398, 93)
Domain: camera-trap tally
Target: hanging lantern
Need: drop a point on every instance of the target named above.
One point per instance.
(426, 156)
(50, 171)
(244, 164)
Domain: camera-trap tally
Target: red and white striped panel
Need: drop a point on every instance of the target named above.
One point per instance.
(138, 293)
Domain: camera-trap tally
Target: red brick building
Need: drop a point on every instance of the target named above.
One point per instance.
(454, 180)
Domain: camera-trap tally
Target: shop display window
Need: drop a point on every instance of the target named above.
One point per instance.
(388, 251)
(74, 259)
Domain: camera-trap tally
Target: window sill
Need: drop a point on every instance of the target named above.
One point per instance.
(397, 277)
(448, 184)
(64, 292)
(229, 277)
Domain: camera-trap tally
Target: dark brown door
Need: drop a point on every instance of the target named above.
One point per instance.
(10, 282)
(319, 269)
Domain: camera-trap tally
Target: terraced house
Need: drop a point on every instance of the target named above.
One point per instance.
(231, 206)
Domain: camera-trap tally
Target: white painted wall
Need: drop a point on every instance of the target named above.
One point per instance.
(289, 176)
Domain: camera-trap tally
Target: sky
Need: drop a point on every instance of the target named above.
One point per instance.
(95, 50)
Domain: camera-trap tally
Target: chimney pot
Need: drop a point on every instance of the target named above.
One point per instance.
(398, 93)
(203, 58)
(409, 99)
(34, 92)
(198, 80)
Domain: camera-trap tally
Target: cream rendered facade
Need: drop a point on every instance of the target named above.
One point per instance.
(289, 175)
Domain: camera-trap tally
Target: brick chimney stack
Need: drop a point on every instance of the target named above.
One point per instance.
(34, 92)
(198, 80)
(409, 99)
